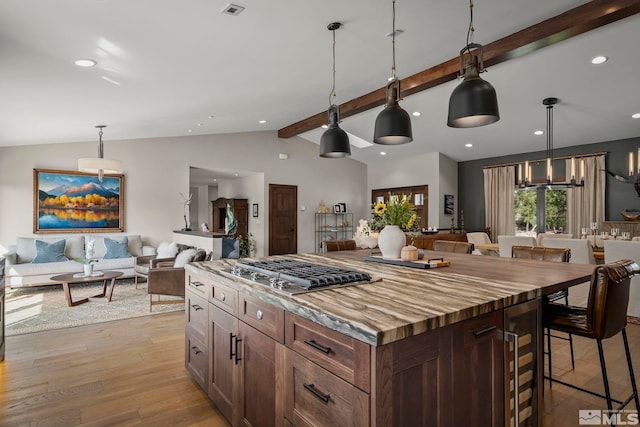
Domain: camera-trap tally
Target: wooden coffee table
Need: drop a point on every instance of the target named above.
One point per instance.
(70, 279)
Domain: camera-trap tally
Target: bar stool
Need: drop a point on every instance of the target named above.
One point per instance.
(604, 317)
(453, 246)
(549, 254)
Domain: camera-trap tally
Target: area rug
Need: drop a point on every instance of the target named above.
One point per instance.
(42, 308)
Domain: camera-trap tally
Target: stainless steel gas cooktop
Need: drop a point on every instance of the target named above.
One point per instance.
(295, 277)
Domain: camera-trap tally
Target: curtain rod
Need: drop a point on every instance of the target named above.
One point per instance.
(578, 156)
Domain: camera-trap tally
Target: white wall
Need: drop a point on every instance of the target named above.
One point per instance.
(433, 169)
(157, 170)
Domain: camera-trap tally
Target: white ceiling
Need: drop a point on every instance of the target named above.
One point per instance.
(166, 66)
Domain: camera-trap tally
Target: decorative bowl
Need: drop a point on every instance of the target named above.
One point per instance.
(630, 215)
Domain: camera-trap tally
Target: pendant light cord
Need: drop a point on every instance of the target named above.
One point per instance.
(333, 88)
(550, 131)
(393, 42)
(471, 29)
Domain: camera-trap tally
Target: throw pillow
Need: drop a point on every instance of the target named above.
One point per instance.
(49, 252)
(184, 258)
(116, 248)
(167, 250)
(200, 255)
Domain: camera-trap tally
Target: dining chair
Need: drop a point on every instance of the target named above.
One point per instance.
(452, 246)
(581, 253)
(479, 238)
(505, 243)
(615, 250)
(604, 317)
(543, 236)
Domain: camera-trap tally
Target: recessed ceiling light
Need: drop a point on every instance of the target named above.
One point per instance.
(599, 60)
(416, 113)
(189, 130)
(85, 62)
(636, 116)
(199, 124)
(236, 174)
(538, 132)
(262, 122)
(468, 145)
(382, 153)
(210, 117)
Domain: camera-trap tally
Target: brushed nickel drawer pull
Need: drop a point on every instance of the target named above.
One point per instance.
(484, 331)
(312, 343)
(223, 297)
(195, 350)
(324, 397)
(196, 307)
(259, 314)
(197, 284)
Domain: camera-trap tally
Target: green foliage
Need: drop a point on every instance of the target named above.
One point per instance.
(398, 211)
(247, 245)
(525, 207)
(556, 208)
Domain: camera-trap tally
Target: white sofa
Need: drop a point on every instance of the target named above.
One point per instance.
(21, 271)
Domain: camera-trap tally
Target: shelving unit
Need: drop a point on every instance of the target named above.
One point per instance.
(333, 226)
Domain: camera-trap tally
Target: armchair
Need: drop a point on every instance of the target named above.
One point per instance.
(166, 276)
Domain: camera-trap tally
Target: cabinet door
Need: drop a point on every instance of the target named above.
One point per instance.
(478, 356)
(524, 322)
(256, 395)
(223, 345)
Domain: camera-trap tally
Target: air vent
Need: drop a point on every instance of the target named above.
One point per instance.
(232, 9)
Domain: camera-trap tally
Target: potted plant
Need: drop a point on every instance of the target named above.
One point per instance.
(392, 219)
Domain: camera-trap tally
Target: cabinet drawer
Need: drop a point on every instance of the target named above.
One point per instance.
(224, 297)
(196, 316)
(344, 356)
(263, 316)
(196, 284)
(315, 397)
(196, 360)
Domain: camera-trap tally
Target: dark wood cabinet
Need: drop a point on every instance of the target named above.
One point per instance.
(240, 209)
(477, 368)
(419, 197)
(268, 367)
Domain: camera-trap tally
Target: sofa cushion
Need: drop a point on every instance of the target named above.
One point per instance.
(134, 245)
(167, 250)
(26, 247)
(184, 258)
(116, 248)
(48, 268)
(49, 252)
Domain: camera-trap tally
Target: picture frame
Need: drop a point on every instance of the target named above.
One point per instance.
(449, 203)
(343, 207)
(255, 210)
(337, 208)
(77, 202)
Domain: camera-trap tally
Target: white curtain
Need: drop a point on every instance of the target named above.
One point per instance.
(586, 204)
(499, 187)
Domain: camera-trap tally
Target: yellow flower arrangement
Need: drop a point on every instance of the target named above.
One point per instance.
(399, 211)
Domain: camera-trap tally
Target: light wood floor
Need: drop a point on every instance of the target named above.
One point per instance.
(131, 373)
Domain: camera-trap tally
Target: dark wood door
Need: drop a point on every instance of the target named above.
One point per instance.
(257, 394)
(223, 330)
(283, 219)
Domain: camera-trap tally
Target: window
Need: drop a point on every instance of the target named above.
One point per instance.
(540, 209)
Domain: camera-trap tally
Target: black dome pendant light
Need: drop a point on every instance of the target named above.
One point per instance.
(393, 124)
(334, 142)
(473, 102)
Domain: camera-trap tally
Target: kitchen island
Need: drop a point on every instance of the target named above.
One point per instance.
(412, 347)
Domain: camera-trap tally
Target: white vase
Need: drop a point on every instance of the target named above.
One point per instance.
(88, 269)
(390, 241)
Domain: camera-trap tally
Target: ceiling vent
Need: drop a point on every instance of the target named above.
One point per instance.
(232, 9)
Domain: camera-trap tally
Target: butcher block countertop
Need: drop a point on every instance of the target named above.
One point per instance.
(402, 301)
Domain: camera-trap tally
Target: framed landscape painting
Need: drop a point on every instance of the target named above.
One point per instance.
(77, 202)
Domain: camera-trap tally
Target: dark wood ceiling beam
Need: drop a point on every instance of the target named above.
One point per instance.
(579, 20)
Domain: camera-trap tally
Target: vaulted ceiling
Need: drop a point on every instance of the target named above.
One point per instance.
(169, 68)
